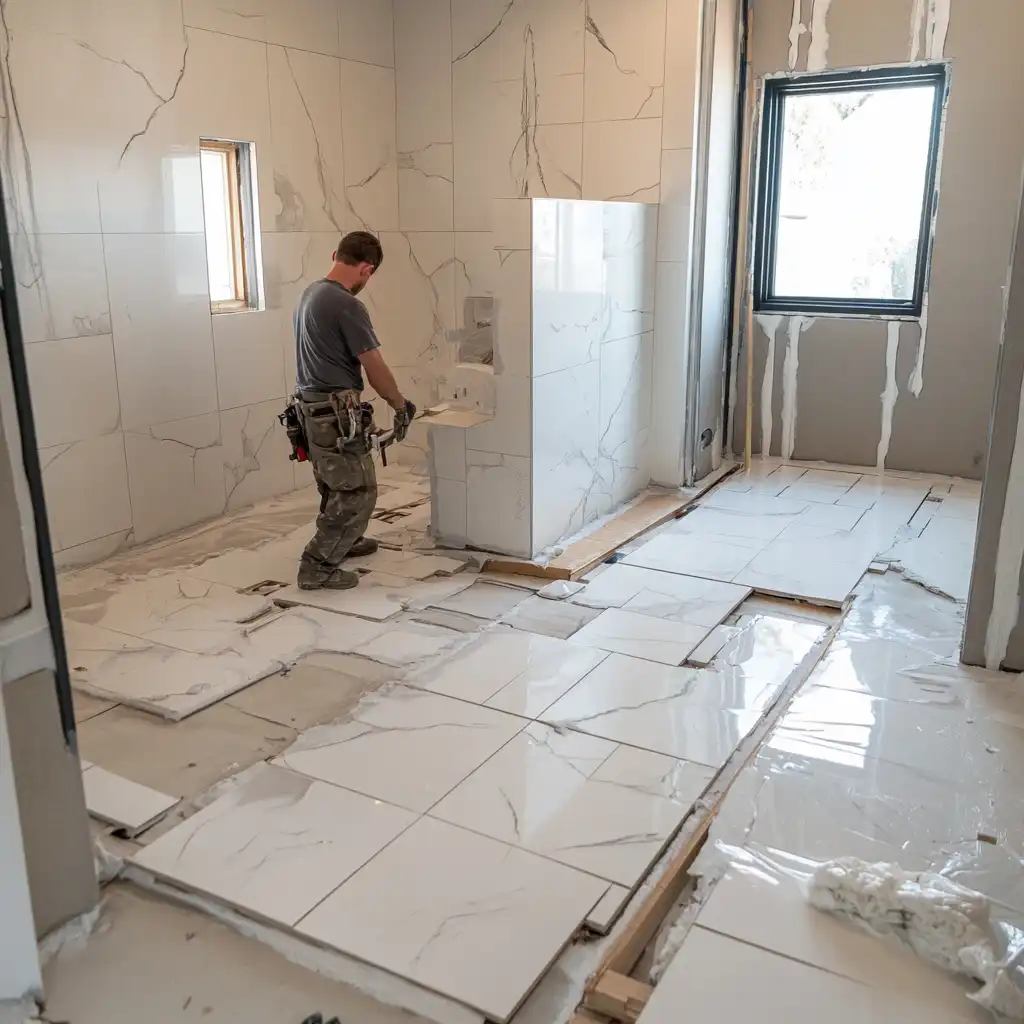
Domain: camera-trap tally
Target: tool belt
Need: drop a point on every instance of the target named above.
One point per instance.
(334, 421)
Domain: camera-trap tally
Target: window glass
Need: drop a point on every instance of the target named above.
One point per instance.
(217, 208)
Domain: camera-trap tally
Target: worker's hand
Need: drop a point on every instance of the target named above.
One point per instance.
(403, 417)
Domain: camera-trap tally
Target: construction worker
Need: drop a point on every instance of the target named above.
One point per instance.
(335, 342)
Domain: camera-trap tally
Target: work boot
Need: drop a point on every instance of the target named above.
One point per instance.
(340, 579)
(363, 546)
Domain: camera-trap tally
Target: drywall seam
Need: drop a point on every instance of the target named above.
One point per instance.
(817, 51)
(890, 393)
(770, 326)
(789, 383)
(796, 29)
(1009, 557)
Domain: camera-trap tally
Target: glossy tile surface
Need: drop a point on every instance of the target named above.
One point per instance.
(275, 846)
(553, 618)
(713, 557)
(407, 746)
(641, 636)
(441, 906)
(122, 803)
(484, 600)
(511, 670)
(579, 800)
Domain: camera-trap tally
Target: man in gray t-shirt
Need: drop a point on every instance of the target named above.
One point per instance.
(334, 343)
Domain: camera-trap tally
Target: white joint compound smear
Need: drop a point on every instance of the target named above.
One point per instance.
(796, 30)
(936, 29)
(890, 393)
(817, 52)
(916, 18)
(916, 382)
(789, 375)
(1009, 557)
(770, 326)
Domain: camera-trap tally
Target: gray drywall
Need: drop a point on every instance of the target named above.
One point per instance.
(995, 492)
(842, 360)
(51, 804)
(14, 587)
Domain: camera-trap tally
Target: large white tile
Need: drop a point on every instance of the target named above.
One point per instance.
(74, 389)
(719, 978)
(62, 286)
(476, 157)
(250, 358)
(483, 600)
(256, 454)
(821, 485)
(630, 233)
(514, 352)
(176, 474)
(369, 129)
(367, 31)
(641, 636)
(173, 610)
(729, 523)
(676, 203)
(682, 64)
(440, 906)
(716, 557)
(665, 595)
(622, 160)
(565, 451)
(625, 60)
(79, 511)
(551, 618)
(275, 846)
(802, 569)
(448, 512)
(580, 800)
(245, 18)
(498, 502)
(511, 670)
(756, 500)
(407, 746)
(305, 118)
(305, 25)
(126, 805)
(163, 337)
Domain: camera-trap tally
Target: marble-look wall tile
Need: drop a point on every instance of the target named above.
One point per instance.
(622, 160)
(670, 369)
(255, 454)
(448, 512)
(630, 253)
(476, 161)
(86, 487)
(74, 389)
(175, 474)
(448, 453)
(309, 167)
(369, 130)
(676, 205)
(625, 50)
(163, 338)
(682, 63)
(62, 286)
(565, 451)
(514, 315)
(424, 91)
(367, 31)
(304, 25)
(498, 503)
(244, 18)
(476, 267)
(509, 431)
(249, 350)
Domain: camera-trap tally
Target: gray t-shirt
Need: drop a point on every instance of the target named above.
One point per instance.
(332, 329)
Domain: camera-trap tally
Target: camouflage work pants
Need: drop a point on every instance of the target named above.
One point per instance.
(347, 482)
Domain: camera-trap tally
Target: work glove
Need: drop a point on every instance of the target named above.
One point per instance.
(403, 417)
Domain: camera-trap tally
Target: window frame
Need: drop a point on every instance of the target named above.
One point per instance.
(766, 223)
(238, 159)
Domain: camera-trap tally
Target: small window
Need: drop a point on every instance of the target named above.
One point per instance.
(231, 239)
(847, 191)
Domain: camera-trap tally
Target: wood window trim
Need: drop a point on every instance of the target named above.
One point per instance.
(240, 301)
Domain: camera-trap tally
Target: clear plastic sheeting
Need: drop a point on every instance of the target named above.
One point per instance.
(936, 918)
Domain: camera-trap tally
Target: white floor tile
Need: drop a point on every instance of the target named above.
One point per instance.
(522, 673)
(722, 522)
(641, 636)
(665, 595)
(408, 564)
(706, 651)
(583, 801)
(407, 746)
(787, 572)
(720, 979)
(484, 600)
(753, 503)
(606, 911)
(552, 618)
(173, 610)
(276, 846)
(442, 907)
(821, 485)
(407, 643)
(118, 801)
(717, 558)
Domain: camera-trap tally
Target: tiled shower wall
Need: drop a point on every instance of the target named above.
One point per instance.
(151, 413)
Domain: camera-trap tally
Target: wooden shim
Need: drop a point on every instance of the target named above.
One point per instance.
(619, 997)
(513, 567)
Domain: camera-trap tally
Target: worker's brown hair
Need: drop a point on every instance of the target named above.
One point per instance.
(360, 247)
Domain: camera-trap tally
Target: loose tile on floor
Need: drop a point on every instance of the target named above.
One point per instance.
(552, 618)
(128, 806)
(641, 636)
(484, 600)
(276, 846)
(444, 907)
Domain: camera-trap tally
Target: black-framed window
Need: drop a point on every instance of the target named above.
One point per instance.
(846, 190)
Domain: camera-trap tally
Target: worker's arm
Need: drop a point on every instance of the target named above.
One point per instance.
(381, 379)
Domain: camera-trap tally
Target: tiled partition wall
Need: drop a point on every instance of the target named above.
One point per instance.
(153, 414)
(571, 99)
